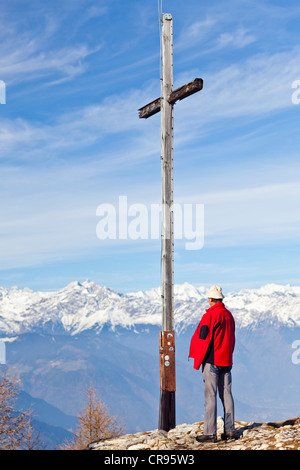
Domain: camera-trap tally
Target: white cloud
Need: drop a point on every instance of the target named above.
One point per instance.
(237, 39)
(251, 215)
(259, 86)
(79, 130)
(195, 33)
(28, 63)
(249, 89)
(49, 210)
(32, 54)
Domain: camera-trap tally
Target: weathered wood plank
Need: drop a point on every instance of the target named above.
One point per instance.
(150, 109)
(186, 90)
(167, 174)
(176, 95)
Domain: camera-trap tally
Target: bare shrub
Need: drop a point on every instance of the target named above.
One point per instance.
(94, 424)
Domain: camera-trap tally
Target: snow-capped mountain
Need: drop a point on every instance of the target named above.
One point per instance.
(84, 306)
(89, 334)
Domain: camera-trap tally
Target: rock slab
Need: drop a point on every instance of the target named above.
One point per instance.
(283, 435)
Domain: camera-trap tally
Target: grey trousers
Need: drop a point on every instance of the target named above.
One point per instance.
(215, 379)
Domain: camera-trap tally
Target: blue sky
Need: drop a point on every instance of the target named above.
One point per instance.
(76, 72)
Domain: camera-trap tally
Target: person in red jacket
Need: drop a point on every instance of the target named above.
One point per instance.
(212, 345)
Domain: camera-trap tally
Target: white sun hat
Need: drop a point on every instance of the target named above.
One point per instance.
(215, 292)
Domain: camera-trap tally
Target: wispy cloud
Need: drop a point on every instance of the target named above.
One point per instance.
(195, 33)
(237, 39)
(209, 36)
(87, 145)
(34, 54)
(28, 63)
(76, 132)
(253, 88)
(250, 89)
(251, 215)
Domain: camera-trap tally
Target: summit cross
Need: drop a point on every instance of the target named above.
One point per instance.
(164, 105)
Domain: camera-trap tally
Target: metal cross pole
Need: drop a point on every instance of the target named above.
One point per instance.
(165, 104)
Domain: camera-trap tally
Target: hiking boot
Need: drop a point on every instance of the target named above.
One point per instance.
(226, 436)
(206, 438)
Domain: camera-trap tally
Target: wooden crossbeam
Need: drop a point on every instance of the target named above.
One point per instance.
(150, 109)
(186, 90)
(179, 94)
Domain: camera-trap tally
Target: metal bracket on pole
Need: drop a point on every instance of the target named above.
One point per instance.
(167, 360)
(167, 418)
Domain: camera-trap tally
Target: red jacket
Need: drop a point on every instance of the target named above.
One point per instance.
(214, 338)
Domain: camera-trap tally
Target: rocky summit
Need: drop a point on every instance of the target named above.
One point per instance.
(284, 435)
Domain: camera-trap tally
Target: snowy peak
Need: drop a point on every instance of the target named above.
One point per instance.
(83, 306)
(273, 303)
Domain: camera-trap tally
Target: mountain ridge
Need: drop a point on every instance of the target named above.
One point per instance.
(84, 306)
(89, 334)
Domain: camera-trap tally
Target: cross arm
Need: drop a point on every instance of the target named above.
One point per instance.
(176, 95)
(150, 109)
(186, 90)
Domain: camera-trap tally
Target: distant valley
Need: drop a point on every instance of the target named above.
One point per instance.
(61, 342)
